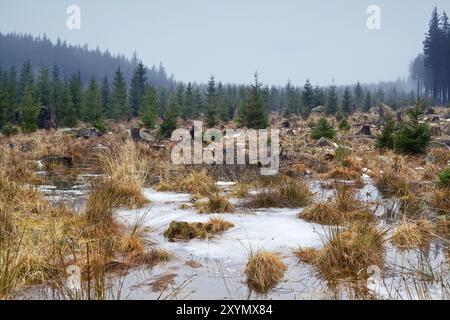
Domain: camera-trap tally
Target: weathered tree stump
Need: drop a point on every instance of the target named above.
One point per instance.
(136, 134)
(365, 131)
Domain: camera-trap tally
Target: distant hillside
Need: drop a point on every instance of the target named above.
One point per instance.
(15, 49)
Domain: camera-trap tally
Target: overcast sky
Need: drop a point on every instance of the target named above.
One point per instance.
(283, 39)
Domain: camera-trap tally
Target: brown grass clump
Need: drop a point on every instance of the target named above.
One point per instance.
(183, 231)
(240, 190)
(441, 156)
(216, 203)
(442, 226)
(125, 173)
(411, 204)
(264, 271)
(328, 214)
(348, 253)
(164, 186)
(343, 209)
(289, 193)
(196, 183)
(100, 208)
(345, 200)
(440, 200)
(412, 235)
(151, 258)
(322, 213)
(343, 173)
(307, 255)
(391, 181)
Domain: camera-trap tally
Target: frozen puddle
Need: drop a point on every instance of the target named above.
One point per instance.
(276, 230)
(223, 259)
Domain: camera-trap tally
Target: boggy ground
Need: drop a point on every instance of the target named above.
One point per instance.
(340, 220)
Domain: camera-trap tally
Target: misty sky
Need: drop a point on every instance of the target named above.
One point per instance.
(284, 39)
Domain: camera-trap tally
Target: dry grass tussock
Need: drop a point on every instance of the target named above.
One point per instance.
(348, 168)
(284, 193)
(392, 175)
(126, 174)
(183, 231)
(343, 209)
(195, 183)
(240, 190)
(17, 168)
(413, 235)
(264, 271)
(347, 253)
(216, 203)
(440, 200)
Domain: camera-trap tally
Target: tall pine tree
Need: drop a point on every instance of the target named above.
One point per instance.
(149, 108)
(347, 102)
(120, 109)
(307, 99)
(137, 88)
(253, 114)
(332, 101)
(211, 104)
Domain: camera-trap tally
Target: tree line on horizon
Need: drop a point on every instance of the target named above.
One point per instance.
(46, 99)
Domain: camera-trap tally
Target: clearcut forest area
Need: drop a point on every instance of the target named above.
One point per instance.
(94, 207)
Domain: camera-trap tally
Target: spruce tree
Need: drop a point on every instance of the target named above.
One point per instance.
(319, 97)
(307, 99)
(30, 111)
(120, 109)
(149, 108)
(347, 102)
(76, 92)
(413, 136)
(211, 104)
(432, 50)
(44, 89)
(137, 88)
(368, 102)
(198, 103)
(179, 95)
(106, 97)
(169, 123)
(26, 80)
(386, 138)
(293, 105)
(11, 108)
(359, 96)
(56, 94)
(253, 114)
(92, 108)
(163, 100)
(332, 101)
(189, 103)
(323, 129)
(343, 125)
(69, 113)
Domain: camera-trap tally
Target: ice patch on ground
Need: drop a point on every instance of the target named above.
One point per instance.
(276, 230)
